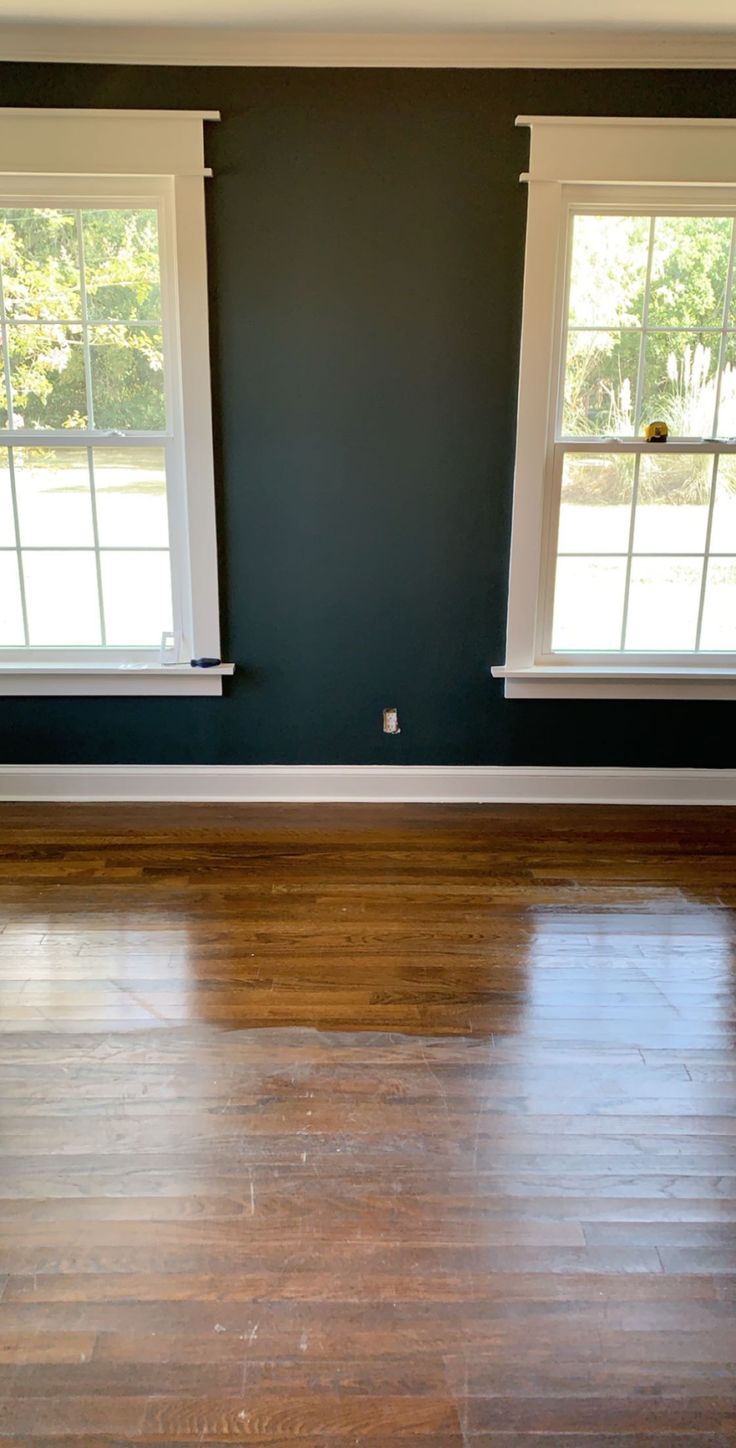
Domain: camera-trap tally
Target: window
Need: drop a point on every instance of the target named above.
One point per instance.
(623, 576)
(106, 490)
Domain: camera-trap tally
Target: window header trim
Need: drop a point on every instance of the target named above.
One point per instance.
(57, 112)
(103, 143)
(617, 121)
(606, 150)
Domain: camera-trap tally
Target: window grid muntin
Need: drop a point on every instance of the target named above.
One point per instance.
(708, 554)
(634, 496)
(727, 301)
(640, 374)
(90, 418)
(86, 351)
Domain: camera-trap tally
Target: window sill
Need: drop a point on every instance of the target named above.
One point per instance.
(596, 681)
(98, 679)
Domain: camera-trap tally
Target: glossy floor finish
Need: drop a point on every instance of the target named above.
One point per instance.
(351, 1125)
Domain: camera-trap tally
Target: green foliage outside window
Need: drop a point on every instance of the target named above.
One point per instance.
(614, 296)
(47, 278)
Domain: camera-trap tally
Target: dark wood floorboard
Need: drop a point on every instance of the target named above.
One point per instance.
(353, 1125)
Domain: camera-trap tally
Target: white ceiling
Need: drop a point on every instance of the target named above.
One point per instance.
(382, 15)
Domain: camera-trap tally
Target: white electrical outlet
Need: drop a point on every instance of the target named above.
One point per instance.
(391, 721)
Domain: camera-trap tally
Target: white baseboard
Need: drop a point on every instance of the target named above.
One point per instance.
(367, 783)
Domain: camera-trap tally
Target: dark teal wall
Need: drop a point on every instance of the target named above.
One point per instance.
(366, 234)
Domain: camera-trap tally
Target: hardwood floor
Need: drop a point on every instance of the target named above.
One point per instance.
(353, 1125)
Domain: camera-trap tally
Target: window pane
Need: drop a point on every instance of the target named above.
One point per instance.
(664, 598)
(665, 346)
(7, 523)
(727, 400)
(47, 376)
(130, 491)
(82, 293)
(61, 598)
(689, 271)
(589, 601)
(608, 273)
(600, 384)
(723, 529)
(719, 609)
(11, 613)
(680, 373)
(128, 378)
(40, 264)
(136, 589)
(595, 511)
(672, 503)
(53, 496)
(121, 262)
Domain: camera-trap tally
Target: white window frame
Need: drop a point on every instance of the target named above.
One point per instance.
(578, 164)
(78, 158)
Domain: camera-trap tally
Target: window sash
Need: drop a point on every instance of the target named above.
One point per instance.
(621, 201)
(110, 193)
(149, 196)
(599, 201)
(84, 322)
(636, 448)
(79, 441)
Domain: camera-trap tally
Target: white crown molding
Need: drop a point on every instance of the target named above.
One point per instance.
(531, 49)
(367, 783)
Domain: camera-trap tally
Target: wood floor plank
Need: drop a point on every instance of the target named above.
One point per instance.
(326, 1126)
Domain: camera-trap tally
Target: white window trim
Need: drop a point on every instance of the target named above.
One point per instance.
(78, 157)
(576, 161)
